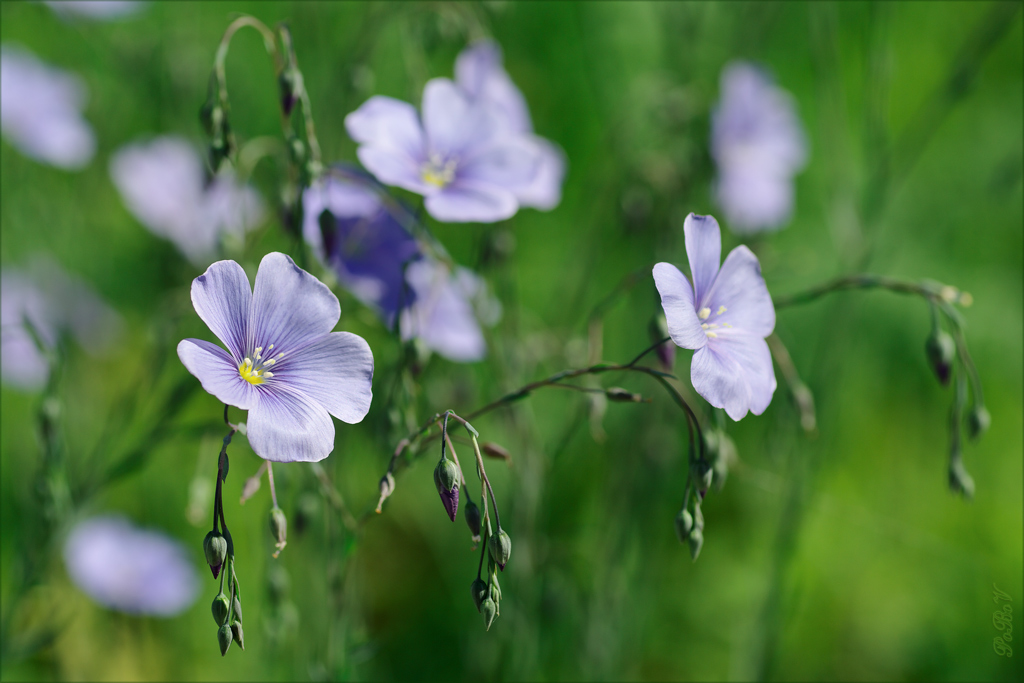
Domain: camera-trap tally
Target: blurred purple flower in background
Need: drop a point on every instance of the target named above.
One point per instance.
(99, 10)
(364, 240)
(758, 144)
(725, 317)
(41, 111)
(52, 302)
(480, 74)
(466, 163)
(130, 569)
(283, 364)
(163, 183)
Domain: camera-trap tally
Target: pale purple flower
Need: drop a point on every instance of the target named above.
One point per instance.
(283, 363)
(481, 75)
(363, 238)
(52, 303)
(98, 10)
(41, 111)
(758, 144)
(725, 317)
(466, 163)
(446, 310)
(163, 183)
(129, 569)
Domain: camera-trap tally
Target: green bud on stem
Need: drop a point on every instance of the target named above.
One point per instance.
(500, 547)
(220, 609)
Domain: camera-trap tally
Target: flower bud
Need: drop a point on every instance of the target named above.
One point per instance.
(941, 349)
(489, 610)
(215, 547)
(620, 395)
(224, 638)
(473, 519)
(220, 609)
(500, 547)
(278, 526)
(446, 474)
(236, 605)
(684, 525)
(493, 450)
(496, 592)
(702, 474)
(696, 541)
(959, 479)
(387, 487)
(237, 635)
(479, 591)
(978, 422)
(446, 480)
(666, 352)
(290, 83)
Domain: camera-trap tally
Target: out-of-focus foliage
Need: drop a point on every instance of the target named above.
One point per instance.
(837, 556)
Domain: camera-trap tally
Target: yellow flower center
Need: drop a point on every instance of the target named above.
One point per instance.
(709, 328)
(437, 171)
(257, 371)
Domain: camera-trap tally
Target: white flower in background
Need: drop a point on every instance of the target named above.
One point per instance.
(99, 10)
(48, 302)
(129, 569)
(41, 110)
(163, 184)
(758, 144)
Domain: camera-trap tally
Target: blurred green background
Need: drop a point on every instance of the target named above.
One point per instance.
(841, 556)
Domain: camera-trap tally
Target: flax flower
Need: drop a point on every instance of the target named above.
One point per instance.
(360, 232)
(41, 111)
(725, 317)
(283, 363)
(128, 569)
(460, 156)
(163, 184)
(758, 144)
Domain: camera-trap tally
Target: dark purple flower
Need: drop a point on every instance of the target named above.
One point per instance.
(283, 363)
(360, 233)
(725, 317)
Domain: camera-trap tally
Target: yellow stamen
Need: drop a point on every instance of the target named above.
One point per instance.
(704, 313)
(721, 310)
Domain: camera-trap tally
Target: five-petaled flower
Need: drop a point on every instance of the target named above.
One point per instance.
(461, 157)
(725, 317)
(283, 363)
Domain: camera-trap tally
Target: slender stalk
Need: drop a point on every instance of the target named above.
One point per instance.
(487, 482)
(270, 477)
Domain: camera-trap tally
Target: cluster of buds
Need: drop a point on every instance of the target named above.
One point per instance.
(214, 117)
(226, 607)
(690, 528)
(487, 594)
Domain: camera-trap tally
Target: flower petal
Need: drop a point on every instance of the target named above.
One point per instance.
(677, 301)
(511, 164)
(455, 125)
(217, 372)
(389, 124)
(545, 192)
(222, 298)
(734, 372)
(442, 316)
(335, 371)
(393, 168)
(287, 426)
(480, 74)
(704, 252)
(741, 289)
(466, 201)
(290, 307)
